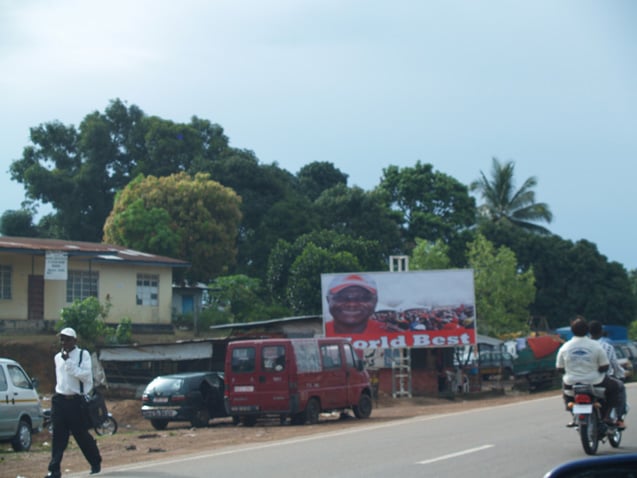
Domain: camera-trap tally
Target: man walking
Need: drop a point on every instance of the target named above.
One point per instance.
(74, 377)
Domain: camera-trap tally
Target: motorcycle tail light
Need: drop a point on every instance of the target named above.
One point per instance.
(582, 399)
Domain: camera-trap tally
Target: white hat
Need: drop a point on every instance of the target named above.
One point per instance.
(360, 280)
(69, 332)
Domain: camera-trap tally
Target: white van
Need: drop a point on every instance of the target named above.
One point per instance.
(20, 409)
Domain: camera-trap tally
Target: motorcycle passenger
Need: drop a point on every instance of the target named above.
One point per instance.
(615, 371)
(583, 360)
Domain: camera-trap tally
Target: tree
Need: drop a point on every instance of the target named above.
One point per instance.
(18, 223)
(503, 203)
(284, 272)
(571, 278)
(79, 170)
(304, 289)
(360, 214)
(429, 255)
(193, 219)
(239, 299)
(272, 207)
(433, 206)
(86, 317)
(316, 177)
(503, 293)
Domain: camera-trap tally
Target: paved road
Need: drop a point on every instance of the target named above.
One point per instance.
(517, 440)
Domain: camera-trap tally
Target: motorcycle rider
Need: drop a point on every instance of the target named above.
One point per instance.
(615, 371)
(583, 360)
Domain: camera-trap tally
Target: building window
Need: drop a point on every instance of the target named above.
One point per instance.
(80, 285)
(5, 282)
(147, 289)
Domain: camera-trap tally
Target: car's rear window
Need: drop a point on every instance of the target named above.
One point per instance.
(243, 359)
(165, 385)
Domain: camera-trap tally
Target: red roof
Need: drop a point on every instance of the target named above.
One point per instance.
(98, 252)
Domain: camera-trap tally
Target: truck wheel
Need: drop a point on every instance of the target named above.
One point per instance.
(312, 411)
(364, 407)
(22, 439)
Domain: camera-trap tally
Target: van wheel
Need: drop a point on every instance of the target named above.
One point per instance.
(297, 418)
(159, 424)
(312, 411)
(22, 439)
(201, 418)
(364, 407)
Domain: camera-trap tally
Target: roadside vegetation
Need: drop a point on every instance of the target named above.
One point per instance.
(260, 236)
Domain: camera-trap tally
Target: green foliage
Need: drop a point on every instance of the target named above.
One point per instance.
(429, 255)
(239, 299)
(433, 205)
(194, 219)
(316, 177)
(571, 278)
(18, 224)
(360, 214)
(632, 330)
(86, 317)
(124, 331)
(502, 203)
(503, 293)
(284, 272)
(304, 286)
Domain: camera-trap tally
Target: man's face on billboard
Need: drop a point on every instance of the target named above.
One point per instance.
(351, 307)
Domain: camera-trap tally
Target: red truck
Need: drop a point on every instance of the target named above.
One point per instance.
(295, 378)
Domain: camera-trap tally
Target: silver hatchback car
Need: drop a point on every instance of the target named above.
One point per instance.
(20, 409)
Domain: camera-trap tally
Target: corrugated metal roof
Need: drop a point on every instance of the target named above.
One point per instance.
(97, 252)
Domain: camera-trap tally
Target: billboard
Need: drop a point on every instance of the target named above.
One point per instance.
(400, 309)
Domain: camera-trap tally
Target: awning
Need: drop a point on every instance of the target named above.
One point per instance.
(173, 352)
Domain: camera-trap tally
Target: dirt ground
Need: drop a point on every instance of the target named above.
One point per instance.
(136, 441)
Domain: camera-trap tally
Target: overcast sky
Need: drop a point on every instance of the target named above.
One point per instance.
(548, 84)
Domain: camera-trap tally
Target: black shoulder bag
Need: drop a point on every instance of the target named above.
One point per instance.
(91, 404)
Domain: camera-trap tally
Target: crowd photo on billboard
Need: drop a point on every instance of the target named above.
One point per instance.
(400, 309)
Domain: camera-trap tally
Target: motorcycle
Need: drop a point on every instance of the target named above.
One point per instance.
(107, 426)
(588, 408)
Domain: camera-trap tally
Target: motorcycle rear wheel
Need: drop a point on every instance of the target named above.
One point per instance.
(589, 429)
(108, 427)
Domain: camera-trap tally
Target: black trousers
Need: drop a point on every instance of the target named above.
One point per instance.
(66, 417)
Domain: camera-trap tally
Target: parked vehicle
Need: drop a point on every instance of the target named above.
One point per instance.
(534, 361)
(588, 408)
(295, 378)
(630, 352)
(624, 361)
(194, 397)
(495, 363)
(20, 409)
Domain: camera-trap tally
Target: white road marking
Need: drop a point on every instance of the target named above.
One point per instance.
(453, 455)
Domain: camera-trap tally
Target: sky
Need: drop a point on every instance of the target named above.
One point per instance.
(364, 84)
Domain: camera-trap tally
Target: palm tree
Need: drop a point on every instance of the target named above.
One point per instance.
(503, 204)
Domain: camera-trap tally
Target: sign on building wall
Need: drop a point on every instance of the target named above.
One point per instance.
(56, 265)
(400, 309)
